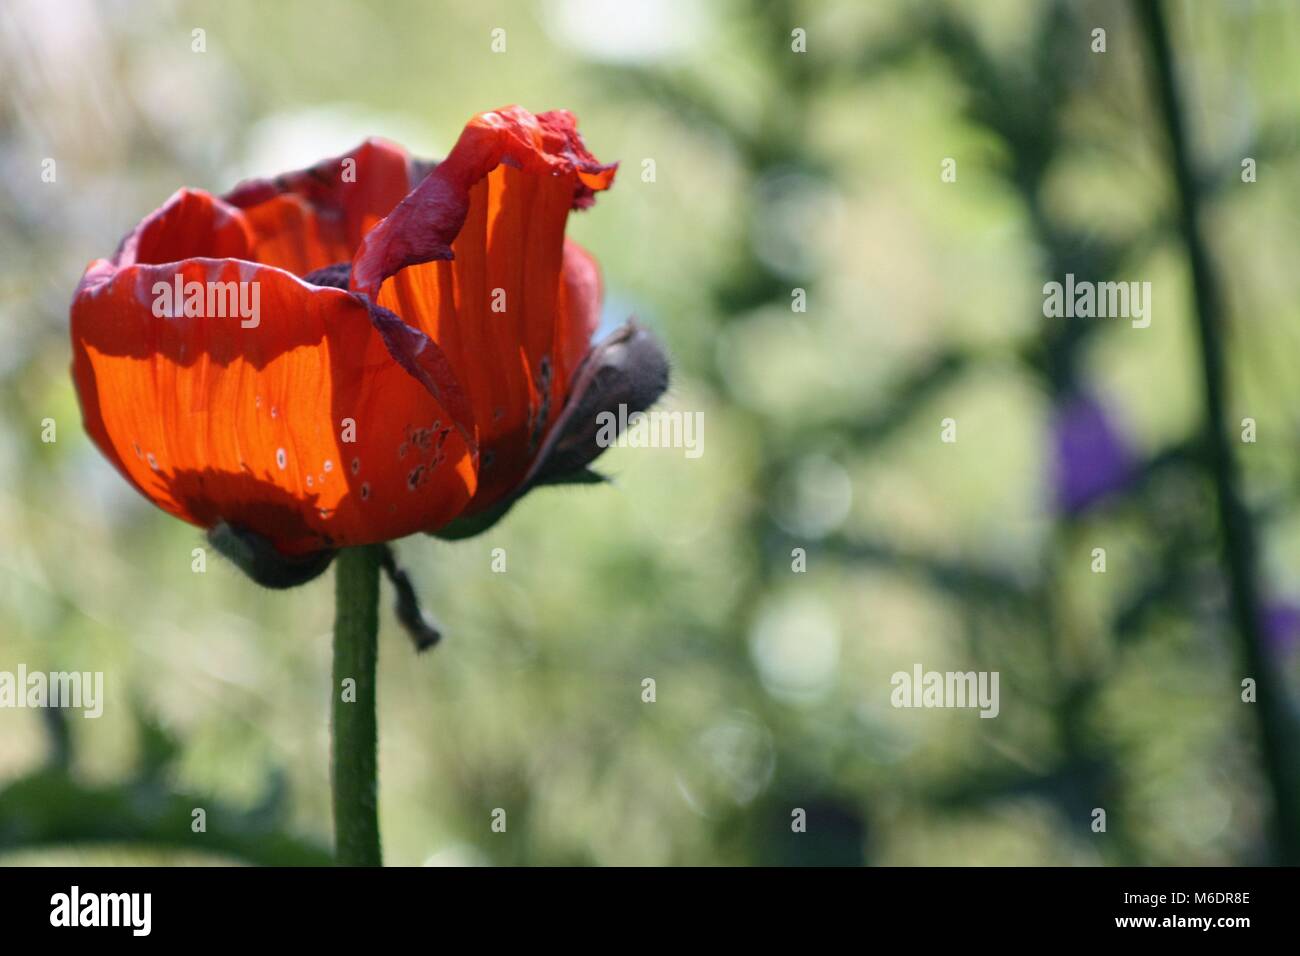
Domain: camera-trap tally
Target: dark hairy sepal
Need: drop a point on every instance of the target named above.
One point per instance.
(259, 559)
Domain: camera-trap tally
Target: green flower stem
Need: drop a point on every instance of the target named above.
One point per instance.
(352, 713)
(1277, 732)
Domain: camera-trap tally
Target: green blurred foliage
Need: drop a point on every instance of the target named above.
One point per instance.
(774, 170)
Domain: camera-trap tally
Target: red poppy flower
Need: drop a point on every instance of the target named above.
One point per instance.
(360, 350)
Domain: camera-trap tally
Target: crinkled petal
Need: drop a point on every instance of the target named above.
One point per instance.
(476, 258)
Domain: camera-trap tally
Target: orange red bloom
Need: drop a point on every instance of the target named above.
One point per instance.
(416, 341)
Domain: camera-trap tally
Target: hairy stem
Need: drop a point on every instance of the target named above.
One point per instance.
(352, 714)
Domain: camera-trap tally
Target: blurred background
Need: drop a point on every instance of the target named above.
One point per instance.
(774, 171)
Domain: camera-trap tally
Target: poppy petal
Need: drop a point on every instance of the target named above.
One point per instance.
(577, 312)
(301, 427)
(474, 257)
(311, 218)
(191, 224)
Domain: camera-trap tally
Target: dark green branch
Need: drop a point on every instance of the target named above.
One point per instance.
(1277, 734)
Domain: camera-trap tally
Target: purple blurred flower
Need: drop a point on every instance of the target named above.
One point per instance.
(1091, 459)
(1281, 626)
